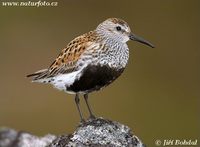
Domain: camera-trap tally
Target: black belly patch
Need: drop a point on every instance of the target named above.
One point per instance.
(94, 78)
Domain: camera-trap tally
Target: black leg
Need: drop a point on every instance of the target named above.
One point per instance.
(88, 106)
(77, 100)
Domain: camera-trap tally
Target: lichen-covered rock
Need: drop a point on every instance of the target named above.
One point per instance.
(97, 132)
(12, 138)
(7, 137)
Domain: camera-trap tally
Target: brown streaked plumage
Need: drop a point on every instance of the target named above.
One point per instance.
(118, 21)
(67, 59)
(91, 61)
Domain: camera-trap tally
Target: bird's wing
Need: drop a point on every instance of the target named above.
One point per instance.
(66, 61)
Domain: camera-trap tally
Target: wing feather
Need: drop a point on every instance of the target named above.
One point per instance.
(66, 62)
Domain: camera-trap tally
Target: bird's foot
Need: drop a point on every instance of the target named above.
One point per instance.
(82, 121)
(92, 117)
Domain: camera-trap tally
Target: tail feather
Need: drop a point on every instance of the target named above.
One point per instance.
(41, 74)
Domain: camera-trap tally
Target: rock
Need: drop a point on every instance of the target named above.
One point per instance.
(97, 132)
(12, 138)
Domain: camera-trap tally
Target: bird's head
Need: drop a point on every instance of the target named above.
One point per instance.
(119, 30)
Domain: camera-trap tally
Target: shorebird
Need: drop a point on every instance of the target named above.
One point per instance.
(91, 61)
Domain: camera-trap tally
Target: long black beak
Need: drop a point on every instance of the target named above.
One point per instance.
(140, 39)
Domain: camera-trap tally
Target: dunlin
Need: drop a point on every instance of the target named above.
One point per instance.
(91, 61)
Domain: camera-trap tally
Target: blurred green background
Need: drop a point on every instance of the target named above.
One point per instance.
(157, 95)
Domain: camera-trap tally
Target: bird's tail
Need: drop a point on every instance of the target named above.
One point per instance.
(39, 75)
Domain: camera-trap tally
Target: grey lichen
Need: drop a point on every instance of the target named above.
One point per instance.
(100, 132)
(12, 138)
(97, 132)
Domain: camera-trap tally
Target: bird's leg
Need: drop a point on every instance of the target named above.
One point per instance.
(88, 106)
(77, 100)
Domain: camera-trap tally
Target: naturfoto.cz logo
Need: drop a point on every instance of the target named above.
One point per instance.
(29, 4)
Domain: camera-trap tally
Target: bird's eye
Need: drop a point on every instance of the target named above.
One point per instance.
(118, 28)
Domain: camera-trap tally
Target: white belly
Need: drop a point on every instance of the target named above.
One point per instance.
(65, 80)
